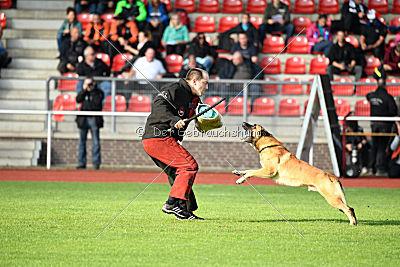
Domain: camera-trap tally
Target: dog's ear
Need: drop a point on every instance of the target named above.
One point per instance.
(264, 132)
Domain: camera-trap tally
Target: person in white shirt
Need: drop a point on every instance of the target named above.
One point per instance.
(147, 67)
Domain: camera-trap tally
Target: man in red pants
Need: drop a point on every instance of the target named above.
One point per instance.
(176, 102)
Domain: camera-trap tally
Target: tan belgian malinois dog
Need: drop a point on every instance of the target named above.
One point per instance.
(284, 168)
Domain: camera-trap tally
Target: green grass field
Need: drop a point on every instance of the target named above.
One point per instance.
(56, 223)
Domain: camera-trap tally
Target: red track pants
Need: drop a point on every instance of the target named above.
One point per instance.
(168, 150)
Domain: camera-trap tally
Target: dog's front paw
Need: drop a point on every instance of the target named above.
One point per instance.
(241, 180)
(238, 173)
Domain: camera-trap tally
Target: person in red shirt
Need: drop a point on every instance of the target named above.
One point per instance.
(391, 60)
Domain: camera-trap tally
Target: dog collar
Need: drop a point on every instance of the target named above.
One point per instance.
(262, 149)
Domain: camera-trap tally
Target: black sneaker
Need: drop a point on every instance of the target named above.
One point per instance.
(80, 167)
(176, 209)
(192, 217)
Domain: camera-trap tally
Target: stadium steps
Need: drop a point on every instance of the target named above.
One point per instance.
(32, 53)
(19, 152)
(44, 4)
(31, 34)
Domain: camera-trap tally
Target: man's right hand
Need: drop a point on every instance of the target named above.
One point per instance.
(270, 21)
(179, 124)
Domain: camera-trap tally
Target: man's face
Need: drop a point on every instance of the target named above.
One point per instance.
(340, 36)
(96, 19)
(237, 59)
(276, 2)
(86, 83)
(199, 86)
(245, 19)
(322, 22)
(149, 54)
(119, 22)
(89, 55)
(74, 34)
(242, 38)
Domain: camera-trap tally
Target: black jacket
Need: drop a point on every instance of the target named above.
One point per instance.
(91, 101)
(344, 54)
(100, 69)
(174, 102)
(252, 32)
(347, 10)
(201, 51)
(382, 103)
(70, 51)
(229, 70)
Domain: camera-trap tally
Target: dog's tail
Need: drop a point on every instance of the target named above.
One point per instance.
(342, 190)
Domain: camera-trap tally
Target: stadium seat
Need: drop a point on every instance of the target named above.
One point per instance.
(58, 106)
(363, 90)
(232, 6)
(120, 103)
(289, 107)
(292, 89)
(139, 103)
(227, 22)
(84, 19)
(256, 6)
(236, 106)
(174, 62)
(104, 57)
(68, 85)
(308, 87)
(297, 45)
(396, 7)
(343, 89)
(119, 61)
(168, 4)
(68, 100)
(107, 17)
(188, 5)
(270, 89)
(273, 44)
(304, 7)
(305, 108)
(352, 40)
(318, 65)
(380, 6)
(274, 65)
(328, 7)
(214, 99)
(394, 90)
(362, 108)
(208, 6)
(3, 20)
(5, 4)
(204, 23)
(295, 65)
(342, 107)
(301, 23)
(264, 106)
(372, 63)
(256, 21)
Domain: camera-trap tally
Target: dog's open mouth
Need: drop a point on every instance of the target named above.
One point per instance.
(247, 133)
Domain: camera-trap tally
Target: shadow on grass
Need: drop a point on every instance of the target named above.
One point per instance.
(360, 222)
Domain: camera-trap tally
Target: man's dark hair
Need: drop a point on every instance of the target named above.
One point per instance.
(71, 9)
(322, 16)
(194, 73)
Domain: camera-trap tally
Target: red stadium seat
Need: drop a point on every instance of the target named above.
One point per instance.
(343, 89)
(58, 106)
(208, 6)
(372, 63)
(318, 65)
(342, 107)
(396, 7)
(295, 65)
(352, 40)
(120, 103)
(301, 23)
(119, 61)
(305, 108)
(68, 100)
(394, 90)
(297, 45)
(168, 4)
(67, 85)
(273, 44)
(139, 103)
(204, 23)
(236, 106)
(289, 107)
(292, 89)
(107, 17)
(174, 62)
(273, 65)
(395, 22)
(328, 7)
(256, 6)
(188, 5)
(362, 108)
(365, 89)
(104, 57)
(304, 7)
(256, 21)
(3, 20)
(232, 6)
(227, 22)
(214, 99)
(270, 89)
(84, 19)
(5, 4)
(380, 6)
(264, 106)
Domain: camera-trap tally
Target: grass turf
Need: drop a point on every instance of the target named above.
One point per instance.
(56, 223)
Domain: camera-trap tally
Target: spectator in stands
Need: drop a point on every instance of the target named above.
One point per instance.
(319, 36)
(134, 10)
(5, 60)
(353, 15)
(382, 105)
(191, 63)
(359, 143)
(247, 27)
(394, 164)
(91, 99)
(95, 6)
(373, 36)
(276, 19)
(71, 52)
(157, 20)
(204, 53)
(65, 30)
(246, 48)
(391, 60)
(240, 69)
(342, 58)
(175, 36)
(96, 33)
(94, 67)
